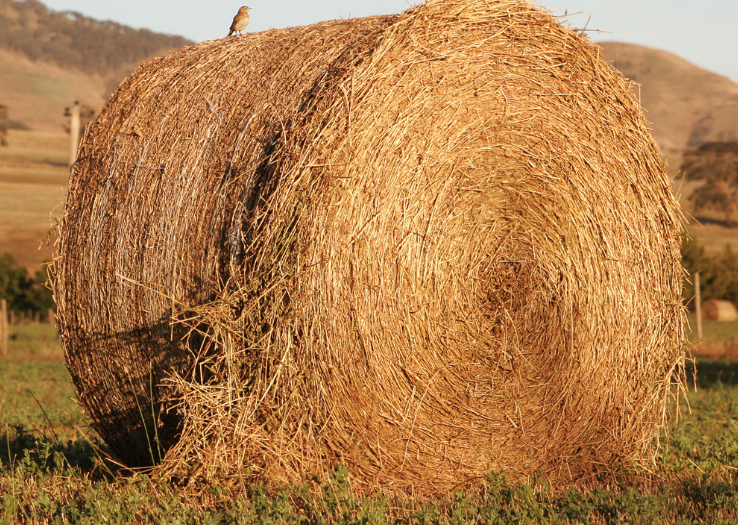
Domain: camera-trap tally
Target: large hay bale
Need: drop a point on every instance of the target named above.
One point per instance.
(719, 310)
(424, 246)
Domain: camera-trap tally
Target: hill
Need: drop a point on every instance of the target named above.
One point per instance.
(49, 59)
(37, 92)
(687, 105)
(72, 40)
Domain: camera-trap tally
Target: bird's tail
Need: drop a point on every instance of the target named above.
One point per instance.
(230, 32)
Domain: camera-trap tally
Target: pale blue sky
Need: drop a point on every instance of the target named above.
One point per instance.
(702, 32)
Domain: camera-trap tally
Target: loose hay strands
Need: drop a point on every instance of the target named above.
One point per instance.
(424, 246)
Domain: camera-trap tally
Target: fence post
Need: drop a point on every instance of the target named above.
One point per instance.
(698, 305)
(74, 128)
(3, 328)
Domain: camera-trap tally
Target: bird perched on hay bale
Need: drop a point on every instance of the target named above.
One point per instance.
(240, 21)
(444, 244)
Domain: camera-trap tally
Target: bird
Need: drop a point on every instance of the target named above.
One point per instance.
(240, 21)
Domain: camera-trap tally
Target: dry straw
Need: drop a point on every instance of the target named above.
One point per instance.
(424, 246)
(719, 310)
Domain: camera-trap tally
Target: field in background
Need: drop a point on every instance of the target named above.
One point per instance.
(714, 237)
(33, 178)
(53, 468)
(706, 226)
(34, 174)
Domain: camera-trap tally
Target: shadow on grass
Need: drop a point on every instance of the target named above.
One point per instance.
(711, 372)
(33, 451)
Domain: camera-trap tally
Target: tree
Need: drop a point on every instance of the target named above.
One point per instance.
(14, 282)
(22, 292)
(725, 285)
(718, 272)
(695, 259)
(717, 164)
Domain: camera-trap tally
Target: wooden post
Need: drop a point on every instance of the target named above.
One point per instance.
(74, 127)
(3, 328)
(3, 128)
(698, 305)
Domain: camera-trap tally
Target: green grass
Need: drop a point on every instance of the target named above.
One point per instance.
(34, 341)
(719, 331)
(53, 469)
(40, 397)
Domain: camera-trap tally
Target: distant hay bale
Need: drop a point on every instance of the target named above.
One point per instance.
(424, 246)
(719, 310)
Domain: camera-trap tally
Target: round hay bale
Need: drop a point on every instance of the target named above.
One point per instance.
(719, 310)
(424, 246)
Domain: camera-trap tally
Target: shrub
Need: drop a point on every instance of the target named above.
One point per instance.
(22, 292)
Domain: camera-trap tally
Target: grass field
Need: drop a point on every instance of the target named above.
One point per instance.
(53, 469)
(33, 180)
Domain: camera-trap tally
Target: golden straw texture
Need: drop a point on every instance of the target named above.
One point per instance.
(424, 246)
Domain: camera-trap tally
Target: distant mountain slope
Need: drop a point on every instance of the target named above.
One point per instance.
(687, 105)
(50, 59)
(37, 93)
(72, 40)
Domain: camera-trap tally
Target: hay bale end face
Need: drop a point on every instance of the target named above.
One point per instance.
(424, 246)
(719, 310)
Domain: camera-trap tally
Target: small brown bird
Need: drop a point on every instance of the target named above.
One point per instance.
(240, 21)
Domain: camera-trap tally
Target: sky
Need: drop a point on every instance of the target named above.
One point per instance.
(702, 32)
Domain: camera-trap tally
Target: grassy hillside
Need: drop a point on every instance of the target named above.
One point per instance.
(74, 41)
(37, 93)
(49, 59)
(686, 104)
